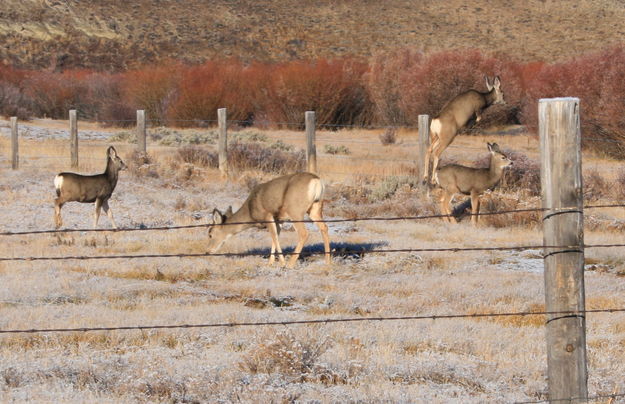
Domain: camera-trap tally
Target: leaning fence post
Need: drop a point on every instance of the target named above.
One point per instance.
(73, 137)
(141, 135)
(223, 141)
(563, 226)
(311, 149)
(424, 143)
(15, 159)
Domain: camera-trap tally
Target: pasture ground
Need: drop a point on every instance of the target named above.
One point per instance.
(468, 360)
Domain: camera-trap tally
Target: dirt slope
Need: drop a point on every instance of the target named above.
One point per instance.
(114, 34)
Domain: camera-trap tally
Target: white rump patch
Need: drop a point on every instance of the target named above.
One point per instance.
(435, 126)
(315, 190)
(58, 182)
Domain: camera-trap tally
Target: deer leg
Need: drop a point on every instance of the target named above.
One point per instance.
(316, 215)
(109, 212)
(275, 243)
(272, 256)
(475, 207)
(58, 204)
(302, 233)
(444, 201)
(428, 157)
(96, 216)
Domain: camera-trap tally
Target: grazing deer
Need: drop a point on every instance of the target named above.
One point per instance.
(290, 196)
(72, 187)
(454, 178)
(455, 115)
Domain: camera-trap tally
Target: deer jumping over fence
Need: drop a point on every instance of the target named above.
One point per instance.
(72, 187)
(290, 196)
(454, 116)
(454, 178)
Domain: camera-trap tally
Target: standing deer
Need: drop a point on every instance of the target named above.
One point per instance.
(290, 196)
(454, 178)
(72, 187)
(454, 116)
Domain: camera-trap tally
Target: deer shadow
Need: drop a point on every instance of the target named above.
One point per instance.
(462, 210)
(343, 250)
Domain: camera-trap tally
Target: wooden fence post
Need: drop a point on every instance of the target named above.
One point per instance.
(223, 141)
(141, 134)
(563, 225)
(423, 144)
(15, 159)
(73, 137)
(311, 149)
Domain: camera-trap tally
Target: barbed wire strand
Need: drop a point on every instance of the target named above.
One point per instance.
(341, 252)
(206, 225)
(356, 219)
(573, 399)
(316, 321)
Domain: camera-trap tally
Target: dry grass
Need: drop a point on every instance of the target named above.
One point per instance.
(468, 360)
(298, 31)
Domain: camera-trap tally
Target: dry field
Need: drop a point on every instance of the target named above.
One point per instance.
(461, 360)
(114, 35)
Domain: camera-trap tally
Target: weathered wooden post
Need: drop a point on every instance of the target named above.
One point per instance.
(423, 143)
(311, 149)
(141, 133)
(563, 225)
(15, 159)
(73, 137)
(223, 141)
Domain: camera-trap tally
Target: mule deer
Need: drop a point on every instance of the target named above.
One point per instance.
(290, 196)
(455, 179)
(455, 115)
(72, 187)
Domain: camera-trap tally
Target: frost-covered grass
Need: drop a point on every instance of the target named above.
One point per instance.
(467, 360)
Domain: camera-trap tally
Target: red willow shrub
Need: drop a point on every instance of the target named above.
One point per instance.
(13, 100)
(152, 89)
(53, 94)
(391, 89)
(332, 88)
(205, 88)
(598, 80)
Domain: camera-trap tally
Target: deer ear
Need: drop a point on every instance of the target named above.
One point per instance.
(218, 218)
(490, 147)
(111, 152)
(488, 85)
(228, 211)
(496, 82)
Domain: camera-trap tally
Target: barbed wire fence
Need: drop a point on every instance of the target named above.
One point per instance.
(312, 153)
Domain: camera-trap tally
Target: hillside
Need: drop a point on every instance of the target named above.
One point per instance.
(115, 34)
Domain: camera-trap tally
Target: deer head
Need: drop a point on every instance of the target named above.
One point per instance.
(115, 161)
(218, 233)
(497, 94)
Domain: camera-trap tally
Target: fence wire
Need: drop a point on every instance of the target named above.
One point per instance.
(316, 321)
(342, 252)
(574, 399)
(355, 219)
(208, 225)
